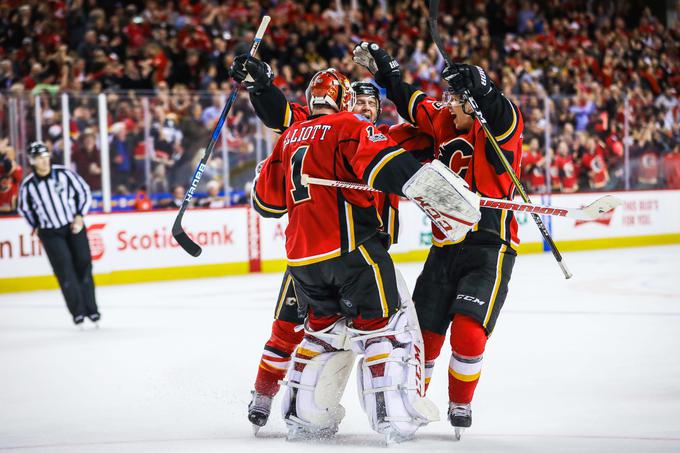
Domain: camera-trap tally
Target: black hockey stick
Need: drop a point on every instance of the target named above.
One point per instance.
(178, 232)
(432, 21)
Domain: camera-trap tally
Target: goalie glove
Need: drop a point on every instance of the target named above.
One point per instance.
(256, 75)
(378, 62)
(444, 197)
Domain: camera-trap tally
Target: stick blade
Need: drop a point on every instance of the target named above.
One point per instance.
(184, 240)
(602, 206)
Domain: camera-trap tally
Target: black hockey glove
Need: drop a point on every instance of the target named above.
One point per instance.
(462, 77)
(374, 58)
(256, 76)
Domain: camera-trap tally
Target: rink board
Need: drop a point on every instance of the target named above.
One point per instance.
(137, 247)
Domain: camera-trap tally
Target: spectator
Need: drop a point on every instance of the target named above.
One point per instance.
(10, 178)
(121, 157)
(671, 168)
(533, 163)
(567, 169)
(87, 160)
(594, 165)
(212, 199)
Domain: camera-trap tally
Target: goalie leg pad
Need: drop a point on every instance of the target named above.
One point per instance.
(390, 377)
(315, 383)
(444, 197)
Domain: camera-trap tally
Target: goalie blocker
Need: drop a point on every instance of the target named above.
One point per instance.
(444, 197)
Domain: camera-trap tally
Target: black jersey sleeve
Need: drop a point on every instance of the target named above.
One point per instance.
(502, 116)
(270, 106)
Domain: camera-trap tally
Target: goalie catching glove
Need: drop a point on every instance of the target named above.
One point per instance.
(444, 197)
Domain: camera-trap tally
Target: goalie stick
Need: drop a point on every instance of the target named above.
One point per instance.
(593, 211)
(432, 21)
(178, 232)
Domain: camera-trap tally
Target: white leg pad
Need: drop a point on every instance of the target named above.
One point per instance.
(315, 383)
(444, 197)
(390, 376)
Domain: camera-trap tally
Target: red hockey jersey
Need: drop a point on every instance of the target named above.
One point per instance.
(407, 136)
(325, 222)
(470, 155)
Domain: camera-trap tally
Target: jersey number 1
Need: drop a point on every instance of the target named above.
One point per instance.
(299, 192)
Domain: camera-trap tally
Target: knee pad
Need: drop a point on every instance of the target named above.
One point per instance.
(316, 381)
(390, 376)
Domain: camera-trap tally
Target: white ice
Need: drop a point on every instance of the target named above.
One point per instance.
(588, 364)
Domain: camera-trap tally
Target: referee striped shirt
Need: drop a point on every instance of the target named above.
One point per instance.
(52, 201)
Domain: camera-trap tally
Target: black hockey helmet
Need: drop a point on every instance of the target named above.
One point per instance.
(367, 88)
(37, 149)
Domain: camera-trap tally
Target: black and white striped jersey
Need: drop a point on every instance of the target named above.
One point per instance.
(53, 201)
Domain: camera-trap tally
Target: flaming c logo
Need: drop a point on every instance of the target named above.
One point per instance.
(94, 237)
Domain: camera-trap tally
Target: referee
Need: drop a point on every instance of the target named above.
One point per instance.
(53, 200)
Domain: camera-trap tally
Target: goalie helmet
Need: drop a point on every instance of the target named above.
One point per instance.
(367, 89)
(330, 88)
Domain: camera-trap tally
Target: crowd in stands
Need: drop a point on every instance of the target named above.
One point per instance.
(594, 78)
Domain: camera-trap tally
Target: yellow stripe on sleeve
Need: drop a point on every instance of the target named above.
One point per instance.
(411, 104)
(388, 157)
(512, 127)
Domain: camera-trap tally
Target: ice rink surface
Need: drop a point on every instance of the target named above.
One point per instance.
(589, 364)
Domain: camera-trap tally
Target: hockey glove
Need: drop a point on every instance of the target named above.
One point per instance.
(465, 77)
(255, 74)
(372, 57)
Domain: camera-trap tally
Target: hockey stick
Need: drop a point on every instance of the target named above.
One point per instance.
(432, 21)
(178, 232)
(593, 211)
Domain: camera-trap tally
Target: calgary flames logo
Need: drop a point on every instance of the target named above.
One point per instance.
(94, 237)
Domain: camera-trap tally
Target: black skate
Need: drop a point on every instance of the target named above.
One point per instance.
(460, 416)
(258, 410)
(95, 317)
(78, 321)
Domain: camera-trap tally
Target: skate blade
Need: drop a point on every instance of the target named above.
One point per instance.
(256, 429)
(459, 432)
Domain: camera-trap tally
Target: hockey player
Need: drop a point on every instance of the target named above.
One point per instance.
(278, 114)
(343, 274)
(463, 284)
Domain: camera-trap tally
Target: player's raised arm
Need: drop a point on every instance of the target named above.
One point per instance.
(270, 104)
(387, 73)
(502, 116)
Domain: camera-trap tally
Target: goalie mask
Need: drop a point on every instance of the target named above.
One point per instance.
(330, 88)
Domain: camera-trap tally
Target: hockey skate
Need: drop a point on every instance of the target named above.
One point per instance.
(78, 321)
(95, 317)
(460, 416)
(258, 410)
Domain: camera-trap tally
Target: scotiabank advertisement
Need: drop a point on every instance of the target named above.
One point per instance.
(133, 241)
(139, 241)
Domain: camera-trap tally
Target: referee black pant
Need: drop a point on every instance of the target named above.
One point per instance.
(69, 255)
